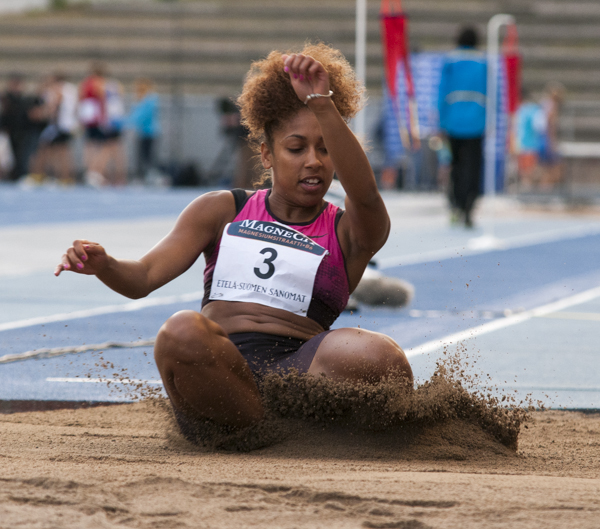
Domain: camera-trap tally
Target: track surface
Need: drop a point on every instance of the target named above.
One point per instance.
(527, 307)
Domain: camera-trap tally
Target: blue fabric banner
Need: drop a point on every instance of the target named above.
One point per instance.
(427, 71)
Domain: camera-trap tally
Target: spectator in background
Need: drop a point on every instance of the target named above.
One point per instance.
(7, 159)
(530, 128)
(234, 163)
(37, 161)
(22, 121)
(55, 141)
(114, 160)
(102, 113)
(461, 105)
(144, 119)
(91, 110)
(551, 163)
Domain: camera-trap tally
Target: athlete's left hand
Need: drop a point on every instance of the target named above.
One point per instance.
(308, 76)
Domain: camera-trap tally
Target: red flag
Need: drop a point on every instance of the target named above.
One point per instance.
(394, 34)
(512, 61)
(395, 48)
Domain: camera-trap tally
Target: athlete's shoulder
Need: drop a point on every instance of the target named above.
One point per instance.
(214, 205)
(465, 54)
(241, 197)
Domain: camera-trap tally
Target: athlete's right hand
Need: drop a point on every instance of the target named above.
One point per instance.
(84, 257)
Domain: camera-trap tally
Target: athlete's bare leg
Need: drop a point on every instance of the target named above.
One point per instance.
(37, 163)
(93, 160)
(61, 159)
(113, 153)
(204, 373)
(361, 356)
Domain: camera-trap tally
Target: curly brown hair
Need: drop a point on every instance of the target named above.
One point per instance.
(268, 99)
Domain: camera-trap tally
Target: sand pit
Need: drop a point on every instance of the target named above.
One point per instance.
(122, 466)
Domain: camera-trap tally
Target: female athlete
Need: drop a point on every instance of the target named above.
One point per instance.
(280, 262)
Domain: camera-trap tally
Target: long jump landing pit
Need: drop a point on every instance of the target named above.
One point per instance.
(124, 466)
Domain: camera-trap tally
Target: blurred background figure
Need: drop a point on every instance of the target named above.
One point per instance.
(54, 155)
(531, 126)
(461, 106)
(114, 161)
(91, 111)
(22, 119)
(550, 159)
(7, 159)
(102, 113)
(144, 119)
(234, 165)
(387, 176)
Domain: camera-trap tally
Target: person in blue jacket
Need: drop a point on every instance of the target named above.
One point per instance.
(144, 119)
(461, 105)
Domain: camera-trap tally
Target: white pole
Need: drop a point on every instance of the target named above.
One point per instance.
(493, 46)
(360, 52)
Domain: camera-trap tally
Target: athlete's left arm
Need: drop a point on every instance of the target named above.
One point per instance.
(366, 223)
(365, 226)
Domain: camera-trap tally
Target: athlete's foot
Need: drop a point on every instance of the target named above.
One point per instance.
(455, 215)
(95, 179)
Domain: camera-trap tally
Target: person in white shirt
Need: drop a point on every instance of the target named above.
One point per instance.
(55, 141)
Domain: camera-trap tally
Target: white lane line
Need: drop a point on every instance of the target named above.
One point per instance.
(532, 387)
(590, 389)
(579, 316)
(470, 248)
(502, 323)
(103, 380)
(108, 309)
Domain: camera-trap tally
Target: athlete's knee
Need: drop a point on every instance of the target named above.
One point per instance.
(392, 359)
(185, 338)
(361, 354)
(385, 353)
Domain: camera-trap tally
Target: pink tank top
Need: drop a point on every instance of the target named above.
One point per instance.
(330, 291)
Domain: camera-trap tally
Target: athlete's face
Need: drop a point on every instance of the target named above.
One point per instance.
(301, 166)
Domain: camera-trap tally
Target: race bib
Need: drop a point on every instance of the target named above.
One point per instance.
(267, 263)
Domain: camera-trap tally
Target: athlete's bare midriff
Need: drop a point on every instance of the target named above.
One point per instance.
(237, 317)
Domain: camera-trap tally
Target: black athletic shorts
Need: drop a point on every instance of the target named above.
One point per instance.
(61, 138)
(267, 352)
(100, 135)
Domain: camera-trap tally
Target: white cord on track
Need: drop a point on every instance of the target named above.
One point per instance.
(61, 351)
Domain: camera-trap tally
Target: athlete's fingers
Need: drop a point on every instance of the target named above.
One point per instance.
(80, 249)
(316, 70)
(93, 250)
(86, 249)
(64, 265)
(71, 261)
(287, 62)
(304, 65)
(74, 258)
(307, 75)
(294, 64)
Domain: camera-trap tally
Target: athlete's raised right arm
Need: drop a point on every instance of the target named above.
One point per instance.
(196, 228)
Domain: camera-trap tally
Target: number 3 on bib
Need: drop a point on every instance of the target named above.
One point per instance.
(269, 262)
(280, 275)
